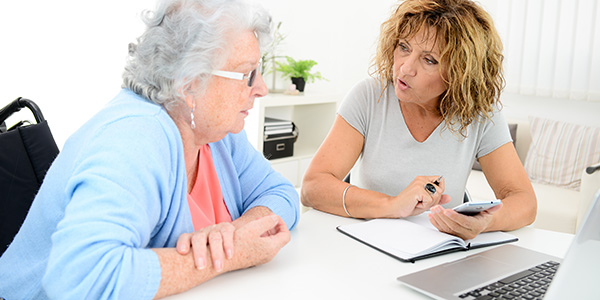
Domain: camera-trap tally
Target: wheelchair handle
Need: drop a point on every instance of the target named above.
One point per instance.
(16, 106)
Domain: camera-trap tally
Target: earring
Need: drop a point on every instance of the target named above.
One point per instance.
(193, 124)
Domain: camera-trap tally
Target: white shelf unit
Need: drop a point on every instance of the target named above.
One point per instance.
(313, 114)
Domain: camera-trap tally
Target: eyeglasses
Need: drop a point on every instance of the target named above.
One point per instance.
(238, 76)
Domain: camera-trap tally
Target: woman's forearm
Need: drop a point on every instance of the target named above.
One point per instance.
(326, 193)
(518, 209)
(178, 272)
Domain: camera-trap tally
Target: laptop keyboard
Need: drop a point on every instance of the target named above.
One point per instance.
(530, 284)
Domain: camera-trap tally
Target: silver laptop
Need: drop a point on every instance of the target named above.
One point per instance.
(510, 269)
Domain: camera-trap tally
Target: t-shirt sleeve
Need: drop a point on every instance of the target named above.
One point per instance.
(495, 133)
(356, 106)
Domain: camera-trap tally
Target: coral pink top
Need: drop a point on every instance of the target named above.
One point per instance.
(206, 199)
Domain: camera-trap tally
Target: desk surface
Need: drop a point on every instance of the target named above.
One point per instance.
(320, 262)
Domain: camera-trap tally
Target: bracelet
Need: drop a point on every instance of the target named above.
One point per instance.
(344, 200)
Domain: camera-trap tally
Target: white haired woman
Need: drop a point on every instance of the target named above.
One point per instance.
(161, 191)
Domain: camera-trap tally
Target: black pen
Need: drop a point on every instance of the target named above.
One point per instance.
(437, 181)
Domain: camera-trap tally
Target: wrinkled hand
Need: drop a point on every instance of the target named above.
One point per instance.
(219, 239)
(466, 227)
(415, 199)
(258, 241)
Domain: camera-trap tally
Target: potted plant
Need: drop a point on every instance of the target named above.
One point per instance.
(299, 71)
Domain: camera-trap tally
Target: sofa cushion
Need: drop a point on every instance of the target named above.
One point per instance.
(556, 207)
(560, 151)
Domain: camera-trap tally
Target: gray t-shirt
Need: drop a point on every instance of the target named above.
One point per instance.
(392, 158)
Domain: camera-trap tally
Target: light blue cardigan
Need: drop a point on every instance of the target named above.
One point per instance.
(117, 189)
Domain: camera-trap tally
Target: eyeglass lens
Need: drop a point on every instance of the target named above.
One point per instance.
(253, 75)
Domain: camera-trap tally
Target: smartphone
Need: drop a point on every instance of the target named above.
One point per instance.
(473, 208)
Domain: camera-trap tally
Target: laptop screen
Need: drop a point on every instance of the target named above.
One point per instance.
(577, 277)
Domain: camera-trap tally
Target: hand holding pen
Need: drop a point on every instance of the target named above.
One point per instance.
(419, 196)
(431, 187)
(435, 189)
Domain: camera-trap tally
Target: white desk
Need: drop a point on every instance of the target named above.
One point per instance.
(321, 263)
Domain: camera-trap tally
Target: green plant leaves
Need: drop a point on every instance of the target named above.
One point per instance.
(299, 68)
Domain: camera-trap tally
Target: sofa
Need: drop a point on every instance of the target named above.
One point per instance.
(558, 126)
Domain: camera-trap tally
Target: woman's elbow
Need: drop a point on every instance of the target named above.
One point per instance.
(529, 210)
(304, 198)
(305, 191)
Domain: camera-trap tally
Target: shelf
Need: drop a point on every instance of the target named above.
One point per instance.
(312, 113)
(273, 100)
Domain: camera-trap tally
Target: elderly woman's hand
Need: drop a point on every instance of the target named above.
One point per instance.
(258, 241)
(216, 238)
(466, 227)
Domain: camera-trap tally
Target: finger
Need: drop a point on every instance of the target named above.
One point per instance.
(446, 222)
(227, 234)
(199, 242)
(466, 227)
(261, 225)
(183, 244)
(445, 199)
(215, 243)
(455, 220)
(420, 203)
(435, 199)
(280, 235)
(434, 219)
(270, 232)
(280, 226)
(451, 222)
(419, 199)
(436, 209)
(427, 200)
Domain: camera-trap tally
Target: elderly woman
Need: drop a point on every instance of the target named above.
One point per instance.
(164, 164)
(431, 109)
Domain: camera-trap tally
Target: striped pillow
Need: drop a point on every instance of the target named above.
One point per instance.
(559, 152)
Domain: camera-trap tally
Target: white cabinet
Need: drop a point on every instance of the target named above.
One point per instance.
(313, 115)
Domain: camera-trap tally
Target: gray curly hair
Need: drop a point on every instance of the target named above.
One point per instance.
(183, 42)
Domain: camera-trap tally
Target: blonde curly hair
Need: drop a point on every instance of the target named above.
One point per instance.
(471, 55)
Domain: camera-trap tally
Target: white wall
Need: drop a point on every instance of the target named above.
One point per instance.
(65, 55)
(340, 35)
(68, 55)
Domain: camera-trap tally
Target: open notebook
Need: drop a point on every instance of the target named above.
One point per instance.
(415, 238)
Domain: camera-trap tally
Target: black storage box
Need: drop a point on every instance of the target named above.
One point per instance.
(279, 145)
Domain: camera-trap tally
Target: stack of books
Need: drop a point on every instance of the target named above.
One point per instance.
(277, 127)
(279, 138)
